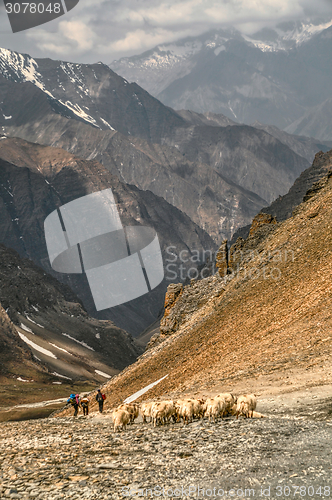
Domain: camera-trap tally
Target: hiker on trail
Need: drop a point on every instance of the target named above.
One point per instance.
(84, 401)
(100, 398)
(74, 401)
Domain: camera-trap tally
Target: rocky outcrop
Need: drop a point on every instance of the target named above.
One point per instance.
(183, 301)
(229, 260)
(222, 259)
(259, 220)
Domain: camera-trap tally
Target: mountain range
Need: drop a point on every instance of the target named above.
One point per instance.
(69, 130)
(277, 76)
(194, 178)
(95, 114)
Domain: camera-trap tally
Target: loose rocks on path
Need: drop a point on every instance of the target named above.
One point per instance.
(83, 459)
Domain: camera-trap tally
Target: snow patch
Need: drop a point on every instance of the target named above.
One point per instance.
(32, 321)
(143, 391)
(61, 376)
(78, 341)
(26, 328)
(36, 346)
(107, 124)
(60, 348)
(42, 404)
(78, 111)
(219, 49)
(102, 374)
(299, 35)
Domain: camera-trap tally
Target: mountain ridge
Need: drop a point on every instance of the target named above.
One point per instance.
(277, 80)
(153, 166)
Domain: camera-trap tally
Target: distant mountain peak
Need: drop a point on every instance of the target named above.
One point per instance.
(286, 35)
(23, 68)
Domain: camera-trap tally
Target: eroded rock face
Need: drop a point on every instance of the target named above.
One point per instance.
(222, 259)
(183, 301)
(259, 220)
(10, 344)
(174, 291)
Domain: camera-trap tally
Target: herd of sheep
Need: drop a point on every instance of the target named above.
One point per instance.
(162, 412)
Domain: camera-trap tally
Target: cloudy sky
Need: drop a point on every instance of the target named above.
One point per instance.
(104, 30)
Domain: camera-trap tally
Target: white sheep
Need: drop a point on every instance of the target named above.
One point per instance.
(120, 419)
(229, 399)
(246, 404)
(185, 410)
(132, 409)
(159, 412)
(223, 406)
(212, 409)
(146, 410)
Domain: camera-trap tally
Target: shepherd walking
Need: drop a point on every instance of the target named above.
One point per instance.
(100, 398)
(74, 401)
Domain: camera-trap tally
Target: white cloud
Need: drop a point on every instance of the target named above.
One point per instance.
(72, 36)
(140, 40)
(108, 29)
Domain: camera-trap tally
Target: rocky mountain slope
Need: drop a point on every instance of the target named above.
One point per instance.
(91, 93)
(60, 340)
(276, 76)
(268, 317)
(233, 152)
(35, 180)
(167, 167)
(282, 208)
(14, 352)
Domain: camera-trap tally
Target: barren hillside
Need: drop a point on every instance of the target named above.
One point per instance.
(273, 316)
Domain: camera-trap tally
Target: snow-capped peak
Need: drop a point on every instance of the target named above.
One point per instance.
(20, 67)
(284, 37)
(23, 68)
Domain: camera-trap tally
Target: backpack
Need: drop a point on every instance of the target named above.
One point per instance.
(103, 396)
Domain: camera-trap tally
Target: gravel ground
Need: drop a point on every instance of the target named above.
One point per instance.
(286, 455)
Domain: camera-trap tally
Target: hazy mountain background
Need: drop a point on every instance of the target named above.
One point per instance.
(195, 178)
(217, 172)
(277, 76)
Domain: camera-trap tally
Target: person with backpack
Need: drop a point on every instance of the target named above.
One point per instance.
(84, 401)
(74, 401)
(100, 398)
